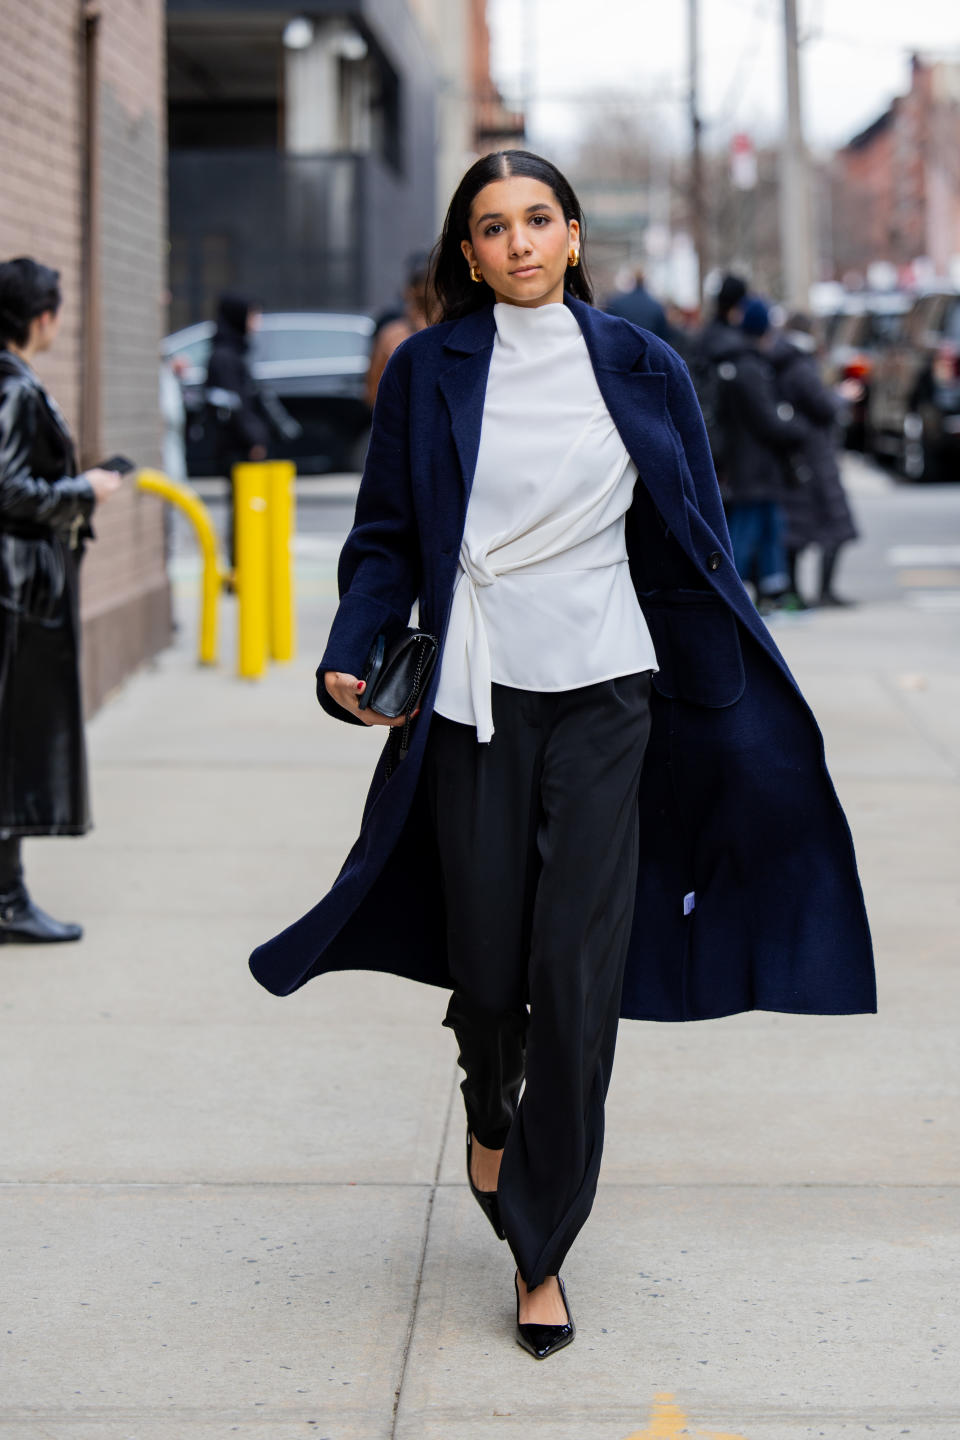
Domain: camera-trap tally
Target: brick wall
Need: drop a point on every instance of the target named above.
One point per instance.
(125, 593)
(41, 161)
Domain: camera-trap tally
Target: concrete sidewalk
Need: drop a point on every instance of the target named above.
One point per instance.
(227, 1214)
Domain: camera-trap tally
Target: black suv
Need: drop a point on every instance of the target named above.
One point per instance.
(913, 414)
(315, 362)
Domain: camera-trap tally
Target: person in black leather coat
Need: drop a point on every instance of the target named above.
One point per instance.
(45, 509)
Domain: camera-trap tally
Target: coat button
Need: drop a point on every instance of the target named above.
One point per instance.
(713, 560)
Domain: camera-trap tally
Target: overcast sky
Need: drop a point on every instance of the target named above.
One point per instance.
(854, 60)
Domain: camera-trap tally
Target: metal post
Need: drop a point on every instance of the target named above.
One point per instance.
(281, 519)
(796, 233)
(697, 197)
(250, 511)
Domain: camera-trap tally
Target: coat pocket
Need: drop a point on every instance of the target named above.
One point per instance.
(33, 579)
(695, 636)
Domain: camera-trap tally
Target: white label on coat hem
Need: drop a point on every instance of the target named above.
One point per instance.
(689, 900)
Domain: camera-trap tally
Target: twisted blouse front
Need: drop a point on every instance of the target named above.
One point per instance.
(543, 600)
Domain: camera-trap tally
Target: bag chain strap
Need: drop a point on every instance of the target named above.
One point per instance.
(404, 731)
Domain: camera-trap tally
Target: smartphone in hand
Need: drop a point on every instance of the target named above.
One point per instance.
(118, 463)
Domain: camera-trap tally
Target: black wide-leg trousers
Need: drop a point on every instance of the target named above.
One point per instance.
(538, 839)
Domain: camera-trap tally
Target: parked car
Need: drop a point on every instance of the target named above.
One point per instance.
(864, 327)
(315, 363)
(913, 416)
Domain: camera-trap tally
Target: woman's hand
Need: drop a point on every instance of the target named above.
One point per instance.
(104, 483)
(346, 690)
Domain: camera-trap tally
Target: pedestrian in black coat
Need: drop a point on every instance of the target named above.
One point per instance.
(639, 307)
(239, 408)
(719, 340)
(760, 433)
(233, 395)
(816, 512)
(45, 510)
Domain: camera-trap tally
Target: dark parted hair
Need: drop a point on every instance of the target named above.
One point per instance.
(27, 289)
(457, 294)
(233, 313)
(732, 293)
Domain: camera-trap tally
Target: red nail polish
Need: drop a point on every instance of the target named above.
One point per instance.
(361, 685)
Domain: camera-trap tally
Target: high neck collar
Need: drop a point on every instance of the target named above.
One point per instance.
(12, 363)
(534, 328)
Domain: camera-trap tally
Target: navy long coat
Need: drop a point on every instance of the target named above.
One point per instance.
(748, 895)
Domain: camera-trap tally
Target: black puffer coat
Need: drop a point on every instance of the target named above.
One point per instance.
(234, 402)
(760, 431)
(816, 512)
(44, 520)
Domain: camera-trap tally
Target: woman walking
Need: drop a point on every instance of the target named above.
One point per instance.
(45, 509)
(614, 800)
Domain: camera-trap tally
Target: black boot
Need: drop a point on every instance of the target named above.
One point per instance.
(23, 923)
(793, 600)
(828, 566)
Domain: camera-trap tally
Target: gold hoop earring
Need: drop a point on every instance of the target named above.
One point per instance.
(574, 257)
(476, 274)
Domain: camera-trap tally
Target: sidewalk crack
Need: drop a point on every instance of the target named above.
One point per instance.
(414, 1309)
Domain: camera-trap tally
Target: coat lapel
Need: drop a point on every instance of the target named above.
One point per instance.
(464, 385)
(637, 401)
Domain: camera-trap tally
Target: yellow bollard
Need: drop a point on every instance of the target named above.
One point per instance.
(154, 482)
(250, 519)
(281, 513)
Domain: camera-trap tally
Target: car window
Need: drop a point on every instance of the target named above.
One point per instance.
(937, 312)
(326, 343)
(884, 329)
(848, 330)
(196, 353)
(918, 321)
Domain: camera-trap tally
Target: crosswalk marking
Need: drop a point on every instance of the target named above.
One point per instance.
(901, 556)
(934, 600)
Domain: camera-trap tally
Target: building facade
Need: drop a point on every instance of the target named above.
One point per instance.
(82, 135)
(471, 116)
(302, 140)
(896, 185)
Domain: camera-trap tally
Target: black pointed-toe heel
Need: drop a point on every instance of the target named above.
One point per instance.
(486, 1199)
(542, 1340)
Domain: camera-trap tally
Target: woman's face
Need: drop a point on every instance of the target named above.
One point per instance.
(521, 241)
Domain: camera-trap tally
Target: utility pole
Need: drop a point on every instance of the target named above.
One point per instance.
(796, 225)
(528, 79)
(697, 197)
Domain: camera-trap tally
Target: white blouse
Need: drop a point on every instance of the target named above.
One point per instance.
(543, 599)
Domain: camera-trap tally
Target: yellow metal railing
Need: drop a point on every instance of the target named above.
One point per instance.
(154, 482)
(264, 496)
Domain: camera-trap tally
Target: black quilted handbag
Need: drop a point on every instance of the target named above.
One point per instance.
(396, 678)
